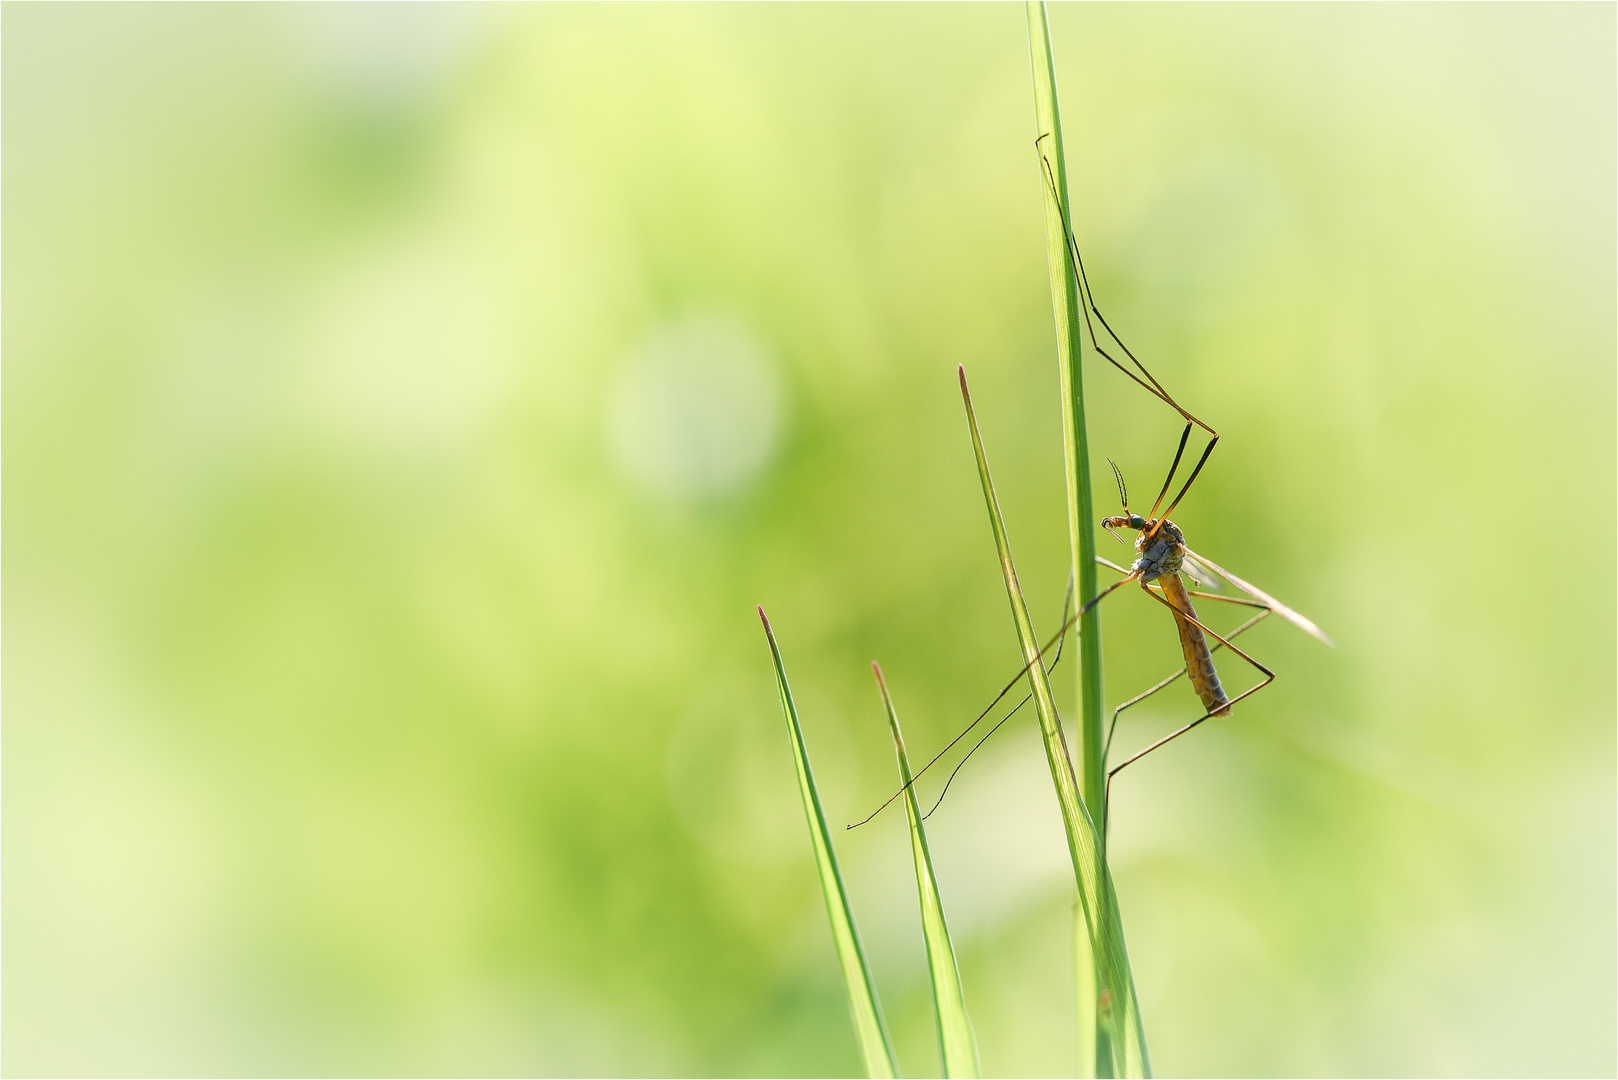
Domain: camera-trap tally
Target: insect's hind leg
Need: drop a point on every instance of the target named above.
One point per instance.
(1106, 747)
(1059, 640)
(1269, 677)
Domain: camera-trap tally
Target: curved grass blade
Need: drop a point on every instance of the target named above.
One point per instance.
(875, 1046)
(1118, 1010)
(957, 1048)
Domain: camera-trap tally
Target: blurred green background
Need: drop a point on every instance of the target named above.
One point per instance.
(406, 406)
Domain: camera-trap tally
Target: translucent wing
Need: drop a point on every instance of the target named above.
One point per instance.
(1198, 572)
(1256, 593)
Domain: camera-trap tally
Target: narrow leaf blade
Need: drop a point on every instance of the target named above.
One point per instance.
(957, 1047)
(1116, 986)
(1066, 304)
(1116, 1040)
(875, 1046)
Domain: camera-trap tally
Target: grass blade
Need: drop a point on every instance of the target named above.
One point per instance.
(875, 1046)
(1117, 1007)
(1102, 1009)
(1081, 517)
(1065, 301)
(957, 1048)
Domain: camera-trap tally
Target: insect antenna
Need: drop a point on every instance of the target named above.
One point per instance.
(1123, 494)
(1123, 497)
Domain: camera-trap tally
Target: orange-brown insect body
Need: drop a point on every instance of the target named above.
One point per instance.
(1161, 545)
(1198, 663)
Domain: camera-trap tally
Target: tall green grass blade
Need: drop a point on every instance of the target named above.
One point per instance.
(957, 1047)
(875, 1046)
(1117, 1005)
(1076, 453)
(1098, 999)
(1065, 301)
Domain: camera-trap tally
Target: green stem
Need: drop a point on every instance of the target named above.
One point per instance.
(1111, 1037)
(1076, 456)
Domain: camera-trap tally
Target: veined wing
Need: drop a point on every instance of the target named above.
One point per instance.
(1197, 572)
(1257, 593)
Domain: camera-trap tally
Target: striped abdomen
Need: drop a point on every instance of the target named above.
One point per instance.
(1198, 663)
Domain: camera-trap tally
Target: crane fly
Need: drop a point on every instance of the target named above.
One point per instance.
(1162, 559)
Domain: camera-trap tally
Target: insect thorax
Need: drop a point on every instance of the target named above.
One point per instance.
(1160, 555)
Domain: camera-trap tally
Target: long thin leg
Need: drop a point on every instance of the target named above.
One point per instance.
(1089, 298)
(1090, 305)
(1188, 481)
(1173, 465)
(1269, 677)
(1054, 642)
(1155, 388)
(1102, 595)
(1106, 747)
(1026, 698)
(1150, 384)
(1066, 625)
